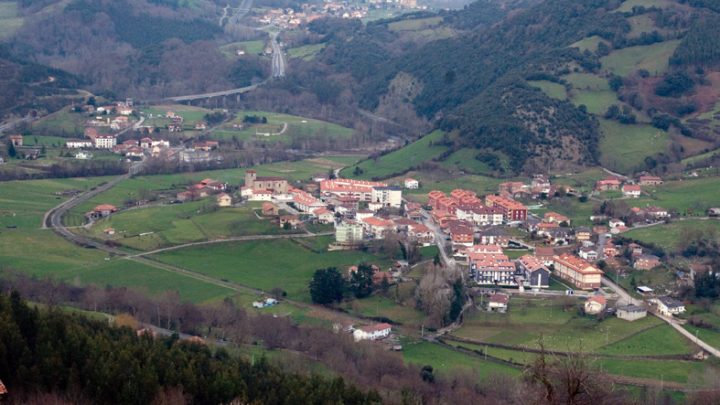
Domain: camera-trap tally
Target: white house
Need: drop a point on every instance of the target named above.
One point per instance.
(411, 184)
(349, 233)
(372, 332)
(387, 196)
(78, 143)
(498, 302)
(631, 190)
(105, 141)
(669, 306)
(616, 223)
(595, 304)
(83, 155)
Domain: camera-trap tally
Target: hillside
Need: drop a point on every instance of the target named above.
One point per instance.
(543, 83)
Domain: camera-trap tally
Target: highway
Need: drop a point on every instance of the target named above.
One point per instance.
(278, 59)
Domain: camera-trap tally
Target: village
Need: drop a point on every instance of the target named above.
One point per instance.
(477, 235)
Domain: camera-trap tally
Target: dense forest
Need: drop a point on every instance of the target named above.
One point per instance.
(48, 356)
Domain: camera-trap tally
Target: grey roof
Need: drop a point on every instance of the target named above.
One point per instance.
(632, 308)
(670, 302)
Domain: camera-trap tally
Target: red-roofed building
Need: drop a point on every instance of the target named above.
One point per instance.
(554, 217)
(377, 227)
(610, 183)
(492, 269)
(595, 304)
(324, 215)
(535, 273)
(461, 233)
(434, 198)
(648, 180)
(631, 190)
(360, 189)
(421, 233)
(411, 184)
(577, 271)
(498, 302)
(513, 211)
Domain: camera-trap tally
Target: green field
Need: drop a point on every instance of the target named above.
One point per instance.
(668, 236)
(401, 160)
(624, 147)
(659, 339)
(597, 102)
(464, 160)
(527, 321)
(63, 121)
(291, 126)
(587, 81)
(379, 306)
(653, 58)
(190, 114)
(250, 47)
(641, 24)
(10, 21)
(414, 25)
(590, 43)
(551, 89)
(23, 203)
(674, 195)
(445, 360)
(265, 264)
(306, 52)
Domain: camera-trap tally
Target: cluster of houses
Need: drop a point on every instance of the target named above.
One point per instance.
(629, 188)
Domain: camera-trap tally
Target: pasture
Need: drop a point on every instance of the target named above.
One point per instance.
(590, 43)
(250, 47)
(464, 160)
(653, 58)
(668, 236)
(306, 52)
(445, 360)
(551, 89)
(400, 160)
(675, 194)
(10, 20)
(265, 264)
(283, 128)
(624, 147)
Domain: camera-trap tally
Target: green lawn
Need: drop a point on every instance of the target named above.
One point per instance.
(379, 306)
(63, 121)
(551, 89)
(668, 370)
(265, 264)
(579, 213)
(653, 58)
(306, 52)
(190, 114)
(624, 147)
(445, 360)
(597, 102)
(668, 236)
(401, 160)
(587, 81)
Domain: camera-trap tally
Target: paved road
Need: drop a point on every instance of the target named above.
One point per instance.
(440, 240)
(278, 59)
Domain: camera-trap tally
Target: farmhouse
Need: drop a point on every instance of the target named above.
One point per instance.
(411, 184)
(646, 262)
(498, 303)
(377, 227)
(421, 233)
(372, 332)
(588, 254)
(16, 140)
(577, 271)
(631, 190)
(657, 212)
(102, 210)
(669, 306)
(610, 183)
(270, 209)
(648, 180)
(631, 312)
(224, 200)
(534, 272)
(595, 305)
(348, 233)
(291, 221)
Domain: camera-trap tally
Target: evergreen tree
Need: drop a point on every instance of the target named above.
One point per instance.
(327, 286)
(361, 281)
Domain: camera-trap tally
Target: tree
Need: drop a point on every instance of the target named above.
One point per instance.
(361, 281)
(327, 286)
(11, 151)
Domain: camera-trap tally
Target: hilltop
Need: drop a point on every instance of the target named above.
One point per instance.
(553, 84)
